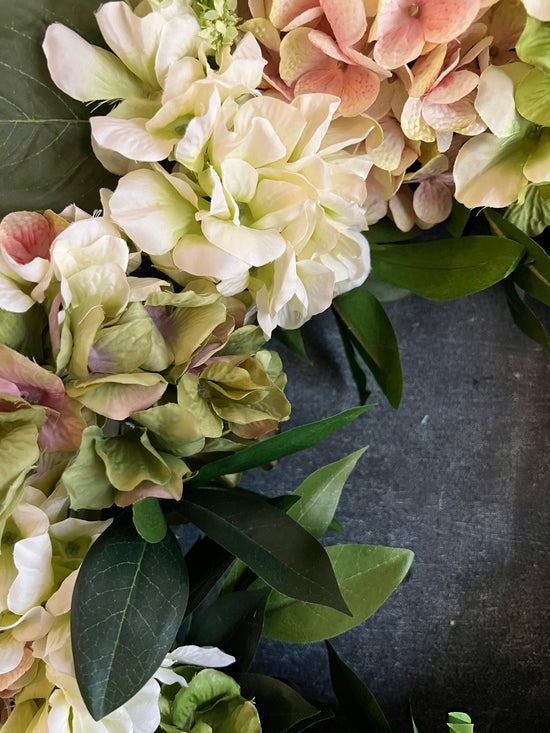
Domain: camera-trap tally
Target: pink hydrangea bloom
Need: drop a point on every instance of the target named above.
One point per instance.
(405, 26)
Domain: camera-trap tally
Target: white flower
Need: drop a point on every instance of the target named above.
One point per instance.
(276, 206)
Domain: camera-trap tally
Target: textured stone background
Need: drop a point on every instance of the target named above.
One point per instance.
(459, 474)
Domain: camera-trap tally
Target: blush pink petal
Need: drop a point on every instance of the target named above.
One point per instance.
(454, 87)
(327, 45)
(444, 20)
(25, 235)
(327, 81)
(142, 490)
(284, 11)
(347, 20)
(359, 90)
(401, 45)
(308, 17)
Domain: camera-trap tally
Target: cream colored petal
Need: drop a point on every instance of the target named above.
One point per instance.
(255, 247)
(495, 98)
(131, 139)
(537, 168)
(98, 73)
(432, 202)
(32, 557)
(151, 211)
(298, 55)
(133, 39)
(489, 171)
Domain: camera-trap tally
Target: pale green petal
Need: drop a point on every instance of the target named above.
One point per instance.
(130, 459)
(533, 213)
(151, 211)
(85, 478)
(194, 254)
(121, 348)
(489, 171)
(532, 95)
(240, 179)
(537, 168)
(98, 74)
(117, 395)
(179, 38)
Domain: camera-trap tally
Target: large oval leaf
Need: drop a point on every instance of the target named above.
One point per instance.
(128, 602)
(366, 574)
(47, 159)
(272, 544)
(449, 268)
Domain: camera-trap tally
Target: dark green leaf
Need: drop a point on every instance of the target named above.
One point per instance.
(280, 707)
(319, 494)
(533, 275)
(374, 338)
(128, 602)
(456, 222)
(335, 526)
(386, 231)
(23, 331)
(367, 576)
(47, 159)
(357, 371)
(233, 622)
(207, 562)
(291, 441)
(524, 318)
(293, 341)
(274, 546)
(386, 293)
(449, 268)
(354, 697)
(149, 519)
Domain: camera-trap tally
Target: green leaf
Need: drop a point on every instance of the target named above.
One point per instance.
(367, 576)
(47, 158)
(374, 338)
(291, 441)
(449, 268)
(354, 696)
(357, 371)
(233, 622)
(207, 562)
(531, 213)
(335, 526)
(385, 231)
(533, 274)
(128, 602)
(460, 723)
(524, 318)
(274, 546)
(149, 519)
(386, 294)
(320, 493)
(280, 707)
(293, 341)
(455, 224)
(23, 332)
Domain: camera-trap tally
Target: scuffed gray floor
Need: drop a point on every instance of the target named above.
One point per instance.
(459, 474)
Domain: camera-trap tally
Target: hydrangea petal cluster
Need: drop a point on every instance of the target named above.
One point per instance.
(276, 207)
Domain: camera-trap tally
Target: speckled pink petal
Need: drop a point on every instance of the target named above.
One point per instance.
(308, 17)
(432, 202)
(449, 117)
(25, 235)
(444, 20)
(360, 89)
(454, 87)
(323, 42)
(328, 81)
(284, 11)
(401, 45)
(347, 20)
